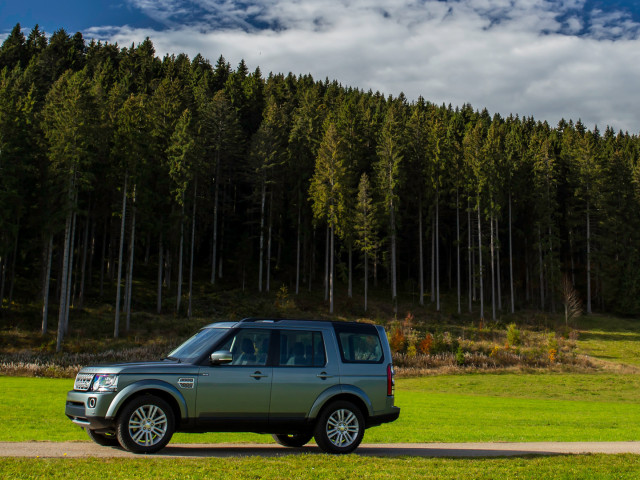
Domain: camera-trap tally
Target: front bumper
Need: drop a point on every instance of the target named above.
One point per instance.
(89, 409)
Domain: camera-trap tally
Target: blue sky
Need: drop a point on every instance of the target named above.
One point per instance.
(546, 58)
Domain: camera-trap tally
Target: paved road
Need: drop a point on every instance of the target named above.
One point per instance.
(84, 449)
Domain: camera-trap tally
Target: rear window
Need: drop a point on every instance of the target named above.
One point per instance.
(359, 345)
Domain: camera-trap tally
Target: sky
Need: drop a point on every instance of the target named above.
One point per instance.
(550, 59)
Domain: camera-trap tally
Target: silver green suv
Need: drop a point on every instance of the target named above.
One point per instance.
(294, 379)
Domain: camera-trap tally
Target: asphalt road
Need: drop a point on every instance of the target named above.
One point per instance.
(84, 449)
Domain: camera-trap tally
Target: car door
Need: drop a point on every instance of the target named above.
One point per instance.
(301, 373)
(236, 396)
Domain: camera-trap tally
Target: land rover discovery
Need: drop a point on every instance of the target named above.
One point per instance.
(294, 379)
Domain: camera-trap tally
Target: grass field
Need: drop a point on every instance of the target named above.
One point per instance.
(448, 408)
(324, 466)
(612, 339)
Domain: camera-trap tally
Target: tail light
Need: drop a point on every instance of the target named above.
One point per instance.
(390, 381)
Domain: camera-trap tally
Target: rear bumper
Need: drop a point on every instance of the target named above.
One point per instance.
(376, 420)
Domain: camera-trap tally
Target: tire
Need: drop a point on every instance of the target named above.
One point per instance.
(340, 428)
(104, 439)
(295, 440)
(145, 424)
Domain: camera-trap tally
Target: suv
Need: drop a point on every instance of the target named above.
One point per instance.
(294, 379)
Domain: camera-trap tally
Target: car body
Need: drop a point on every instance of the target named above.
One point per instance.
(294, 379)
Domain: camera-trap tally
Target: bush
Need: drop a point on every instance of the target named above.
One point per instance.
(513, 334)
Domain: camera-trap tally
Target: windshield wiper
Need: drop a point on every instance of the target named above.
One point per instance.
(175, 359)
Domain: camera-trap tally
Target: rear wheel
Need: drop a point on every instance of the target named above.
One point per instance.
(104, 439)
(145, 424)
(340, 428)
(296, 440)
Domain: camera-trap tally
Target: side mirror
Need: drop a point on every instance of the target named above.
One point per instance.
(221, 357)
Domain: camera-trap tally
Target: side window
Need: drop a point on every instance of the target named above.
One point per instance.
(301, 349)
(249, 347)
(358, 347)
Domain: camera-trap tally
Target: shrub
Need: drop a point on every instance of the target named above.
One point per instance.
(425, 345)
(397, 340)
(460, 356)
(513, 334)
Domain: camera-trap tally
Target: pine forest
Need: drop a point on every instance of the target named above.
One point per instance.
(118, 167)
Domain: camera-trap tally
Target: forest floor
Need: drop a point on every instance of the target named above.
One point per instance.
(528, 340)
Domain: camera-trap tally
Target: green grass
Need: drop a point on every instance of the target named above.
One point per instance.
(612, 339)
(456, 408)
(324, 466)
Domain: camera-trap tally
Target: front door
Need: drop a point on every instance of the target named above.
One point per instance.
(236, 396)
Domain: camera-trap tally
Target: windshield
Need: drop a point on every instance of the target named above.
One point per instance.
(197, 345)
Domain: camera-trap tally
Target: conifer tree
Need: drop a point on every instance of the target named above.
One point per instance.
(390, 154)
(327, 193)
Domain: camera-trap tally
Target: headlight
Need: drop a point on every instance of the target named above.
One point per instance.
(105, 383)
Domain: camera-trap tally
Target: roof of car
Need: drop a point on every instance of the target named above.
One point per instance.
(286, 322)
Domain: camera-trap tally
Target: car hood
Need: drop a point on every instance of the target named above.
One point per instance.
(151, 368)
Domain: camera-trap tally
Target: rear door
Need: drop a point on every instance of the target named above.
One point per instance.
(302, 371)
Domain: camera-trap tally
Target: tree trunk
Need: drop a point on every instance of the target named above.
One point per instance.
(63, 280)
(541, 269)
(469, 256)
(493, 271)
(70, 271)
(147, 249)
(103, 256)
(83, 268)
(215, 220)
(45, 289)
(160, 260)
(92, 252)
(458, 251)
(331, 273)
(366, 280)
(350, 289)
(262, 202)
(326, 267)
(498, 282)
(180, 252)
(269, 241)
(437, 239)
(221, 242)
(420, 253)
(394, 286)
(2, 276)
(480, 264)
(513, 306)
(551, 275)
(193, 244)
(13, 263)
(116, 329)
(132, 245)
(588, 260)
(298, 248)
(433, 260)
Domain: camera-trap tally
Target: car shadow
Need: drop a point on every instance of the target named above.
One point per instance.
(365, 450)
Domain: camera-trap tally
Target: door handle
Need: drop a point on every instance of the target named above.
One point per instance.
(258, 375)
(324, 375)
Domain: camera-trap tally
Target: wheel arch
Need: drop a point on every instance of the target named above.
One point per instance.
(342, 392)
(160, 389)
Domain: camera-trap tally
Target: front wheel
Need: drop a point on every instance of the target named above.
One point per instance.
(340, 428)
(104, 439)
(295, 440)
(145, 424)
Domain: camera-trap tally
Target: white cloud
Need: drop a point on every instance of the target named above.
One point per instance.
(510, 56)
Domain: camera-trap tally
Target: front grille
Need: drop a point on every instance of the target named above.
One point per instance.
(83, 381)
